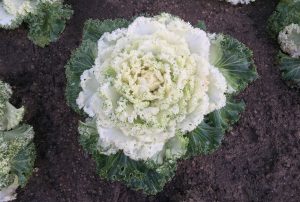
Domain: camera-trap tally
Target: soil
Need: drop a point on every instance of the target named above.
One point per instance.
(259, 159)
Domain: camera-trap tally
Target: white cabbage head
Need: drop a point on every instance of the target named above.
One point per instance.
(150, 81)
(289, 40)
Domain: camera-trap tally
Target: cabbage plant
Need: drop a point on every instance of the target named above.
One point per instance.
(46, 19)
(284, 26)
(17, 151)
(154, 90)
(235, 2)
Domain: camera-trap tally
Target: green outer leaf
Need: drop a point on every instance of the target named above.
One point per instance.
(204, 140)
(226, 116)
(94, 29)
(48, 22)
(82, 58)
(207, 137)
(290, 68)
(139, 175)
(234, 60)
(23, 164)
(286, 13)
(135, 174)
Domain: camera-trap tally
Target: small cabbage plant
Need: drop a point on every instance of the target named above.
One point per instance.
(154, 90)
(17, 151)
(284, 25)
(235, 2)
(46, 19)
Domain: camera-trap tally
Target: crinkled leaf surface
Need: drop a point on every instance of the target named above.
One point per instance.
(94, 29)
(118, 167)
(23, 163)
(228, 115)
(234, 60)
(82, 58)
(48, 22)
(290, 68)
(204, 139)
(21, 148)
(207, 137)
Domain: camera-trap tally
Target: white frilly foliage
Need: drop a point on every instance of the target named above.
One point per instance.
(235, 2)
(150, 82)
(289, 40)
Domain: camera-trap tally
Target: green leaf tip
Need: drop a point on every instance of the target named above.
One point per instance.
(201, 24)
(48, 22)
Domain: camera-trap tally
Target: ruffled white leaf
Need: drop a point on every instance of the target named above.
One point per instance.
(193, 119)
(88, 99)
(144, 26)
(138, 148)
(198, 42)
(9, 193)
(216, 88)
(12, 118)
(6, 19)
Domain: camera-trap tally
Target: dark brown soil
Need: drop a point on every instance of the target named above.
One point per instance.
(258, 161)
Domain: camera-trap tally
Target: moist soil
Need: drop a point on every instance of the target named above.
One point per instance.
(259, 159)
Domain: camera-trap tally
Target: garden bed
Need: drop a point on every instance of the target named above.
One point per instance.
(258, 160)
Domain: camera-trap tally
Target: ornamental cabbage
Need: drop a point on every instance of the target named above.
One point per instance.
(235, 2)
(154, 90)
(284, 25)
(289, 39)
(17, 151)
(46, 19)
(149, 82)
